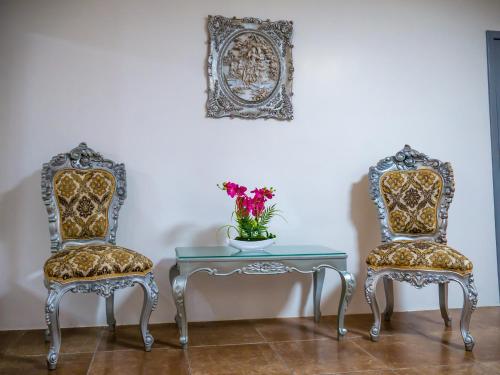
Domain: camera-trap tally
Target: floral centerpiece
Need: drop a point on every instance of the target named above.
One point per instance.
(251, 215)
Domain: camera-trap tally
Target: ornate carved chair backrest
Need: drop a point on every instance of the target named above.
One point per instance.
(412, 193)
(83, 193)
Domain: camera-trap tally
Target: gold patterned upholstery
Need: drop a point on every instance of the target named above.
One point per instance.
(412, 200)
(83, 198)
(426, 255)
(93, 262)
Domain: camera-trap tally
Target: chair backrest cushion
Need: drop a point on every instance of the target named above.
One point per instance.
(83, 198)
(412, 200)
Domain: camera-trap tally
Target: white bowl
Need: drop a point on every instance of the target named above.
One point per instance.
(251, 245)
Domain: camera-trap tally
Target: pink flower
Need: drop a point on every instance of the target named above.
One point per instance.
(241, 209)
(264, 192)
(241, 190)
(246, 205)
(233, 189)
(256, 205)
(268, 193)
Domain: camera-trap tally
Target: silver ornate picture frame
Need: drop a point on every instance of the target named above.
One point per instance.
(250, 68)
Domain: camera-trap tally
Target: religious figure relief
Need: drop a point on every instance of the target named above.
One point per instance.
(251, 67)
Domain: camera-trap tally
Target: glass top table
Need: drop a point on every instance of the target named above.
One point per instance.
(275, 251)
(274, 260)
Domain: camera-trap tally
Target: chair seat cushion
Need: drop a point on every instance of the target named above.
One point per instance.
(425, 255)
(94, 262)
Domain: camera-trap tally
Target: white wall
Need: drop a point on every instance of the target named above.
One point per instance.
(128, 77)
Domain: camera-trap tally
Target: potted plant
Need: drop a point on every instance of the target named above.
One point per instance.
(251, 215)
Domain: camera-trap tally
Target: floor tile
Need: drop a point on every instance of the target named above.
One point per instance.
(326, 356)
(405, 351)
(359, 325)
(486, 317)
(68, 364)
(492, 365)
(487, 346)
(7, 338)
(73, 340)
(412, 343)
(487, 337)
(296, 329)
(253, 359)
(368, 372)
(470, 369)
(223, 333)
(166, 335)
(431, 320)
(157, 361)
(130, 337)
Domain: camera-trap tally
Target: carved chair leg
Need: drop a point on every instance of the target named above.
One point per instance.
(348, 286)
(318, 279)
(46, 335)
(178, 289)
(443, 303)
(52, 319)
(370, 289)
(110, 313)
(150, 301)
(470, 302)
(389, 298)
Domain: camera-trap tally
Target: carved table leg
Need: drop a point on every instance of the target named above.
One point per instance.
(470, 302)
(179, 284)
(174, 272)
(110, 313)
(52, 318)
(318, 278)
(389, 298)
(443, 303)
(150, 301)
(370, 289)
(348, 286)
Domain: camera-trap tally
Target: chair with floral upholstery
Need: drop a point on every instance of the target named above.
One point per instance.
(83, 193)
(413, 193)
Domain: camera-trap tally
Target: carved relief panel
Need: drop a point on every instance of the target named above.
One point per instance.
(250, 68)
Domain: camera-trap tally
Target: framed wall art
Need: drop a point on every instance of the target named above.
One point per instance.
(250, 68)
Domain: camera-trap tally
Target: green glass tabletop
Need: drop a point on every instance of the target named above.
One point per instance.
(275, 251)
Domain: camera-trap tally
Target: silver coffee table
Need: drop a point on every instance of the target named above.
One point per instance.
(275, 260)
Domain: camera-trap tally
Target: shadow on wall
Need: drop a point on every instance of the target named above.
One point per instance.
(173, 237)
(24, 236)
(365, 219)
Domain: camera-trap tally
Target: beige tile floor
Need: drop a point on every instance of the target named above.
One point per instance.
(413, 343)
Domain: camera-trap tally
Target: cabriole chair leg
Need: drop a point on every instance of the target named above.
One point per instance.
(443, 303)
(110, 313)
(389, 298)
(150, 301)
(470, 302)
(46, 335)
(371, 298)
(52, 319)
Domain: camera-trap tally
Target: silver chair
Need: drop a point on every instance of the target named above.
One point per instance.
(412, 193)
(83, 193)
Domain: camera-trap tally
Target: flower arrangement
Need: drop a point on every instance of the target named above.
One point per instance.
(250, 213)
